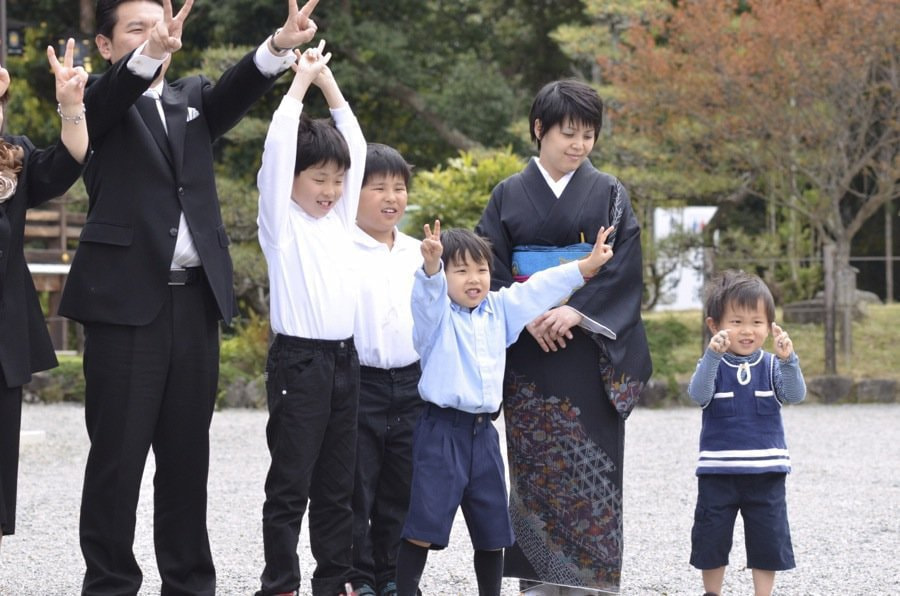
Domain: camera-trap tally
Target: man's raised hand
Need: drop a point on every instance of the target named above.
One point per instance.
(299, 28)
(165, 37)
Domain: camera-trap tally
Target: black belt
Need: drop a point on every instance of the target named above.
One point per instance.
(185, 277)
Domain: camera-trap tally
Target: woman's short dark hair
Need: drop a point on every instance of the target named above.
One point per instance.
(461, 245)
(738, 288)
(105, 15)
(384, 160)
(319, 141)
(561, 101)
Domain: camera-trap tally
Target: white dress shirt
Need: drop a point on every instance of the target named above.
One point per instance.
(313, 278)
(384, 324)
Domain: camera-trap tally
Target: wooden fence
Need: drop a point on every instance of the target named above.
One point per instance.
(51, 235)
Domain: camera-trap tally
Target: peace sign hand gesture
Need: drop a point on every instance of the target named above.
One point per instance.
(165, 37)
(432, 249)
(299, 28)
(70, 80)
(783, 344)
(601, 253)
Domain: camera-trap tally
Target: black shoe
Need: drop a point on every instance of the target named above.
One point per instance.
(364, 590)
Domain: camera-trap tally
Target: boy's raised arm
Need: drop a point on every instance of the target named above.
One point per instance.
(349, 127)
(276, 174)
(307, 68)
(432, 249)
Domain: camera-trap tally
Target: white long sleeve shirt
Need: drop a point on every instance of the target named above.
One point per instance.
(313, 281)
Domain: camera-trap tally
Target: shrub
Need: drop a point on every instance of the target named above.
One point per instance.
(243, 353)
(457, 193)
(665, 336)
(63, 383)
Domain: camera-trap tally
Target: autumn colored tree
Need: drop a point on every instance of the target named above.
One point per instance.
(797, 97)
(651, 168)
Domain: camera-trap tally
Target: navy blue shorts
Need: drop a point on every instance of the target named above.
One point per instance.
(457, 462)
(760, 499)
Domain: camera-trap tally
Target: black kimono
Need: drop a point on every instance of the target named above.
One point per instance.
(565, 410)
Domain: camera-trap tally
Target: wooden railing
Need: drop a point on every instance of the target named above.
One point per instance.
(51, 236)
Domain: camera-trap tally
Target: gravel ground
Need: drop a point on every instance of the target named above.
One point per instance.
(843, 501)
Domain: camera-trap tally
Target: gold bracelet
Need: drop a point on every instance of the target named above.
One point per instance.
(275, 47)
(76, 119)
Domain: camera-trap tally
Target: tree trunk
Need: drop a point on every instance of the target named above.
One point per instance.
(888, 252)
(709, 270)
(86, 16)
(845, 278)
(828, 251)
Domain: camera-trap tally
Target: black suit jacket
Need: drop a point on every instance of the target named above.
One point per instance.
(139, 180)
(25, 345)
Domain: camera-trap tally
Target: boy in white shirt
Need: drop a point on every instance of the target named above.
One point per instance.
(389, 401)
(309, 187)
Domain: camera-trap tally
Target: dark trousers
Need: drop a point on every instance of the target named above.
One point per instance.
(389, 406)
(150, 386)
(313, 390)
(10, 424)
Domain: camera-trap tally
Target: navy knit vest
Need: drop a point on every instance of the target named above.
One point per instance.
(742, 432)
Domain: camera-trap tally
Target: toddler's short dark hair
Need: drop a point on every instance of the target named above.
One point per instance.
(319, 141)
(461, 245)
(739, 288)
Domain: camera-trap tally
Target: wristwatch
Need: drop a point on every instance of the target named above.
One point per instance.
(277, 49)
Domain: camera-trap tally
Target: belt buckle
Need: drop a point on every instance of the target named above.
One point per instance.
(184, 277)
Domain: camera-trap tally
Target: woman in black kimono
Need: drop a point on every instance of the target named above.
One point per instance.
(574, 377)
(29, 177)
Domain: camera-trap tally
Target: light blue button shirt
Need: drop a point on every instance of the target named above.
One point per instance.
(463, 352)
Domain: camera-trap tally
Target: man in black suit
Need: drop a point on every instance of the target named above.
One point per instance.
(150, 280)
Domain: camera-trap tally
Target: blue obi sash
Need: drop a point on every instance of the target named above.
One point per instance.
(528, 259)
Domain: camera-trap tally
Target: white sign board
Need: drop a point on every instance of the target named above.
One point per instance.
(687, 279)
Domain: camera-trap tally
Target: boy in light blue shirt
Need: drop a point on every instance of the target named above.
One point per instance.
(461, 331)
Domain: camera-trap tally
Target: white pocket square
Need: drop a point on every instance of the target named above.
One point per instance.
(192, 113)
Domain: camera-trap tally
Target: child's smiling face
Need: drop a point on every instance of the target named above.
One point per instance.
(318, 188)
(747, 328)
(382, 202)
(468, 281)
